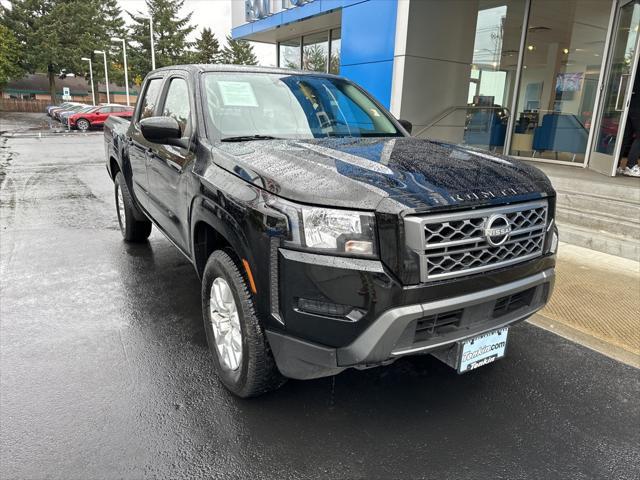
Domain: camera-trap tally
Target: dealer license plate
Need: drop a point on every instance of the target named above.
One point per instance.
(482, 350)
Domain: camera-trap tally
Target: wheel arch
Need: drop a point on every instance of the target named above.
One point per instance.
(211, 229)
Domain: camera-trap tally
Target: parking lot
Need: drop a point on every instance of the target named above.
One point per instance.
(105, 372)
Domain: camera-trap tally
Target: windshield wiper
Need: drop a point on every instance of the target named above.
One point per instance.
(247, 138)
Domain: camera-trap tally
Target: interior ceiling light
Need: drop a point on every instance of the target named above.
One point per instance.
(531, 48)
(565, 50)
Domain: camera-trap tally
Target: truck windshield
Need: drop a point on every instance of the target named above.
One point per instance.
(264, 105)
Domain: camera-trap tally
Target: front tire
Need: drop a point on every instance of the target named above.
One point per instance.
(132, 230)
(242, 356)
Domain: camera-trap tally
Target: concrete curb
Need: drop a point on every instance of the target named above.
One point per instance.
(589, 341)
(47, 134)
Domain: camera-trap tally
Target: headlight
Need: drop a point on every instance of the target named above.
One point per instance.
(339, 231)
(329, 230)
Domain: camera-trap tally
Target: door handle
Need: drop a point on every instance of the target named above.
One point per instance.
(623, 80)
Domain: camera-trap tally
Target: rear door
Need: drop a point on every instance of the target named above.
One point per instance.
(139, 147)
(168, 164)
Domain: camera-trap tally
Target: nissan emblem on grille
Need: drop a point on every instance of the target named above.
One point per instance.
(472, 241)
(497, 229)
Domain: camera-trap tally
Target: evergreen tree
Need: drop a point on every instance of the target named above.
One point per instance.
(111, 15)
(55, 34)
(314, 58)
(207, 48)
(9, 56)
(238, 52)
(170, 36)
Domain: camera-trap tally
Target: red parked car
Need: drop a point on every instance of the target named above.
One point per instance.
(97, 116)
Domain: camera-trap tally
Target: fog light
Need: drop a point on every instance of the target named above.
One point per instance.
(327, 309)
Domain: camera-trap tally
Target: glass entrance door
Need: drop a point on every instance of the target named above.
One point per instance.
(618, 86)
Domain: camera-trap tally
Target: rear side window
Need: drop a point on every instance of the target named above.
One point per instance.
(177, 105)
(150, 98)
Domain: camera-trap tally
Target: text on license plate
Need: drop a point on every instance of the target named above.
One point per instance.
(482, 350)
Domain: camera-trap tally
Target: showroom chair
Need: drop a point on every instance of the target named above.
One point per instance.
(560, 133)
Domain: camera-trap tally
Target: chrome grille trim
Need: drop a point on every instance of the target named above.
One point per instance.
(454, 244)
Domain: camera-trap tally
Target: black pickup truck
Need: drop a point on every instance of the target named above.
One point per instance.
(324, 235)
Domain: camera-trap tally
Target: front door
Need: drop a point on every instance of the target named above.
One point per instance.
(617, 89)
(168, 167)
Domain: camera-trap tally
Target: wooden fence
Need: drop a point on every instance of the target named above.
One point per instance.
(18, 105)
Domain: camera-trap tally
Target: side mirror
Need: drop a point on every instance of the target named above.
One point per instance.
(406, 124)
(160, 129)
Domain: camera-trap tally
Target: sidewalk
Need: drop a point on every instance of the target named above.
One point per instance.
(596, 302)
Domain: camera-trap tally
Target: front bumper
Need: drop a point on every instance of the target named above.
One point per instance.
(425, 327)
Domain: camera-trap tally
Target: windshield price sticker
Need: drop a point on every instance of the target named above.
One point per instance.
(237, 94)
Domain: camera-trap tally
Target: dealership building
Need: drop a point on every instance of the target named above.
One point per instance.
(540, 79)
(548, 81)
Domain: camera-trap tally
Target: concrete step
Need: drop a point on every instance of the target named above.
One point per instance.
(600, 241)
(624, 210)
(626, 190)
(598, 222)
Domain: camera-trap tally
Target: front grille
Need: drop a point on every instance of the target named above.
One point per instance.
(467, 242)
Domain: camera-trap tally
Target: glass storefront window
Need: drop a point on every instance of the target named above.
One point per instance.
(315, 52)
(319, 51)
(289, 53)
(494, 63)
(617, 82)
(561, 67)
(334, 61)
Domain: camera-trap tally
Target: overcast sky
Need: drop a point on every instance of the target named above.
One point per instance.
(215, 14)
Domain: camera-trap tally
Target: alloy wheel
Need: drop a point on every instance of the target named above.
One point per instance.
(122, 214)
(225, 321)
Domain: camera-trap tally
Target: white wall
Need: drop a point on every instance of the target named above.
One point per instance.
(432, 68)
(237, 13)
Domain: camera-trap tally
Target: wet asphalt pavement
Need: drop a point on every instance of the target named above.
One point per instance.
(105, 373)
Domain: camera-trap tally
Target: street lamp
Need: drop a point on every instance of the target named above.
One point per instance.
(93, 93)
(106, 72)
(153, 53)
(126, 76)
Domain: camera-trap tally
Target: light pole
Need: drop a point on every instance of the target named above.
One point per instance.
(153, 53)
(93, 93)
(106, 72)
(126, 75)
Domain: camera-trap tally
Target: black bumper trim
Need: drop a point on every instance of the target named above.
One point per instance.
(300, 359)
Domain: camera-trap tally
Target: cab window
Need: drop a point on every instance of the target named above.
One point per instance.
(150, 98)
(177, 106)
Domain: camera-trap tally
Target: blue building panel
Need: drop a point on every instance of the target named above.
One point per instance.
(368, 32)
(374, 77)
(242, 31)
(368, 38)
(300, 13)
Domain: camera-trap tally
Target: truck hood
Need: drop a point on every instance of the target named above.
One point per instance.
(387, 174)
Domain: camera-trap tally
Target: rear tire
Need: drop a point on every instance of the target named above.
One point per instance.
(132, 230)
(249, 370)
(83, 124)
